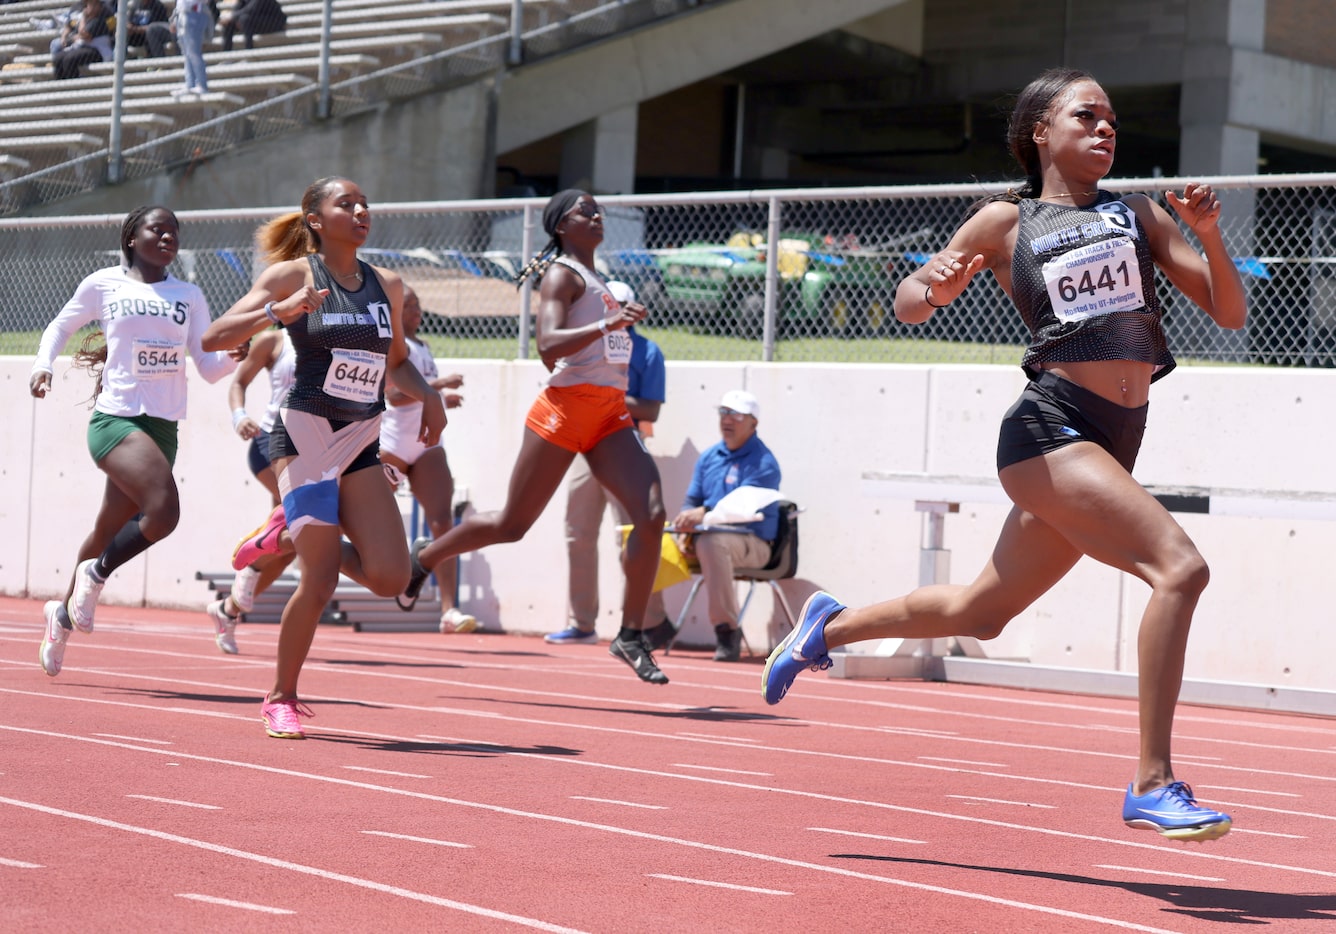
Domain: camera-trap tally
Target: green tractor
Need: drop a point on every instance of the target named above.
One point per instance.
(828, 285)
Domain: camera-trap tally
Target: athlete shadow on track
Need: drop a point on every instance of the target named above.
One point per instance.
(712, 714)
(1221, 904)
(471, 750)
(379, 663)
(248, 700)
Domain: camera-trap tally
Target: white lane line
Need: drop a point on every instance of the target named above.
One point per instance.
(726, 739)
(1268, 746)
(1155, 872)
(1270, 833)
(625, 804)
(230, 903)
(404, 836)
(136, 739)
(716, 885)
(18, 864)
(640, 734)
(710, 768)
(362, 768)
(1198, 758)
(868, 836)
(139, 676)
(696, 844)
(1250, 791)
(184, 804)
(991, 765)
(1019, 804)
(294, 867)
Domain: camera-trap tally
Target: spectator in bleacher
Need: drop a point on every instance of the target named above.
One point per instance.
(150, 321)
(253, 18)
(192, 25)
(160, 37)
(145, 13)
(85, 39)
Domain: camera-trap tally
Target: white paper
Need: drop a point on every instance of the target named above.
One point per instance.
(742, 505)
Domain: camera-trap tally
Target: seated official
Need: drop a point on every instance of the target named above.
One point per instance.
(740, 459)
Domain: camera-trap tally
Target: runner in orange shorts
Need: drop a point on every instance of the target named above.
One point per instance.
(583, 341)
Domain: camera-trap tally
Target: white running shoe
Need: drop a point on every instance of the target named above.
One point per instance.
(456, 620)
(83, 602)
(225, 627)
(243, 588)
(53, 639)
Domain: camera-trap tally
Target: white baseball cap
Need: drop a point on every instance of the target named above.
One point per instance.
(622, 292)
(739, 400)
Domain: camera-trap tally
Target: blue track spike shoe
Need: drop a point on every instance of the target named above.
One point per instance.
(804, 647)
(1174, 813)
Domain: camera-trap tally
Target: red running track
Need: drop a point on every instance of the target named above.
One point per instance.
(496, 783)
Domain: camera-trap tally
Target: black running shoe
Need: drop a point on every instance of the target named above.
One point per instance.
(408, 599)
(634, 653)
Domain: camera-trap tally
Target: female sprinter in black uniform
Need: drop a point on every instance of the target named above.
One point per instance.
(345, 318)
(1079, 264)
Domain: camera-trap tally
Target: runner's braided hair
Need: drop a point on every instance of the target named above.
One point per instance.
(556, 209)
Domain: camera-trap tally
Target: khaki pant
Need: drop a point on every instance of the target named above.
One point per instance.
(718, 554)
(585, 504)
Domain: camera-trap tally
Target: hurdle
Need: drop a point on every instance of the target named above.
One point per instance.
(963, 660)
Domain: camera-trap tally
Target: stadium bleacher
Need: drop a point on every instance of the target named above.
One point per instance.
(45, 123)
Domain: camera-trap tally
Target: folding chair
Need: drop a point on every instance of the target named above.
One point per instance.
(783, 564)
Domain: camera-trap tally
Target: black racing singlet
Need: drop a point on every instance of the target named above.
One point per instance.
(341, 349)
(1084, 282)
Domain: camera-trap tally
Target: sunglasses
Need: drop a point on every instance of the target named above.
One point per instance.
(726, 412)
(587, 208)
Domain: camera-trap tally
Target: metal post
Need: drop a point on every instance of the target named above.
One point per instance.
(326, 31)
(739, 136)
(772, 290)
(516, 54)
(526, 291)
(115, 165)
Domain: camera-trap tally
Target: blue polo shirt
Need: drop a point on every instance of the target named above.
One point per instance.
(720, 471)
(646, 376)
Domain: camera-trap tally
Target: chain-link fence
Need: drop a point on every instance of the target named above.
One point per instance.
(804, 275)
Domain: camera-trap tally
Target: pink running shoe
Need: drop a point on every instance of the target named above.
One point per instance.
(281, 718)
(263, 541)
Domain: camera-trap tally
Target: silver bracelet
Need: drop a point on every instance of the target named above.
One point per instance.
(269, 313)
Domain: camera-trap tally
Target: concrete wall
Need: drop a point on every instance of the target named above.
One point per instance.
(434, 147)
(1265, 617)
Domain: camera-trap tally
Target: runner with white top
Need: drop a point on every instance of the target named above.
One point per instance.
(425, 467)
(271, 350)
(151, 321)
